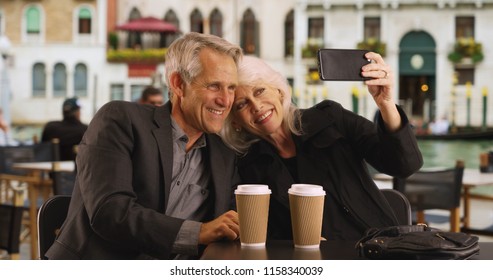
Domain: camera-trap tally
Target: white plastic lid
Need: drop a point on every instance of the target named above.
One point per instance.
(306, 190)
(253, 189)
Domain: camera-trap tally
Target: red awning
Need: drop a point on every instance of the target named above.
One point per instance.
(148, 24)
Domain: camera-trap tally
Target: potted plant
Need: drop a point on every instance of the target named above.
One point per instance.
(146, 56)
(374, 45)
(466, 49)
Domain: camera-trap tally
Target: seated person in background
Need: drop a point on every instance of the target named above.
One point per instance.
(324, 145)
(69, 131)
(155, 182)
(152, 95)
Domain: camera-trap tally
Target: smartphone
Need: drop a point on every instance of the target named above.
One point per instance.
(341, 64)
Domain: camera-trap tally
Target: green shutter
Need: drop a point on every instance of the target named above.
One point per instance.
(33, 20)
(85, 13)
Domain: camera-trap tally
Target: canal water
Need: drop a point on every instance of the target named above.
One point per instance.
(444, 153)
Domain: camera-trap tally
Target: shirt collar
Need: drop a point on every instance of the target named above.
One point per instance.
(179, 136)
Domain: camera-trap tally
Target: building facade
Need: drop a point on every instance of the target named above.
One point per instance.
(417, 39)
(58, 51)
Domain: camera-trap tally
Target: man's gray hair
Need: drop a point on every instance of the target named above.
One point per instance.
(182, 55)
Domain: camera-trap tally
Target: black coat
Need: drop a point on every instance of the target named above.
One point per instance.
(69, 132)
(332, 152)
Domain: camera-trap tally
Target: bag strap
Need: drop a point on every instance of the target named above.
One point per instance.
(392, 231)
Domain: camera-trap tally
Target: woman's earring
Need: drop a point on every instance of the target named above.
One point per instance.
(238, 129)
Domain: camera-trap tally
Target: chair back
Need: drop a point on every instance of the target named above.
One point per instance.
(433, 189)
(399, 203)
(10, 224)
(46, 151)
(51, 216)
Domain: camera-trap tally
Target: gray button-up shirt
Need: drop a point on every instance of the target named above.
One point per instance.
(189, 193)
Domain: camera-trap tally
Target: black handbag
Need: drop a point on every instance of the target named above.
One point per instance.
(418, 242)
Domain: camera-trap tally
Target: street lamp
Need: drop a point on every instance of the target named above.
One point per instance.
(5, 46)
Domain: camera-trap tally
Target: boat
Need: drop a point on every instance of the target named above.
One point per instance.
(460, 135)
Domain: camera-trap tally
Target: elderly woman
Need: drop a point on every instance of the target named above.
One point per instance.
(325, 145)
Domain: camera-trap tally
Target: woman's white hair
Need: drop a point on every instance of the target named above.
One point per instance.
(253, 71)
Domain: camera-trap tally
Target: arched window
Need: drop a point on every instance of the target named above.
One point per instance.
(33, 20)
(59, 80)
(84, 21)
(289, 34)
(80, 80)
(39, 80)
(167, 38)
(249, 33)
(134, 38)
(196, 22)
(216, 23)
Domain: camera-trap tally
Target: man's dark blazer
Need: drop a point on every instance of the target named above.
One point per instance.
(123, 182)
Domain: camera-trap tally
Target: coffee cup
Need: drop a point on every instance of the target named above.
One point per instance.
(306, 204)
(252, 202)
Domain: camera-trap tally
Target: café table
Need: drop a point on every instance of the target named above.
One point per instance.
(472, 178)
(284, 250)
(39, 185)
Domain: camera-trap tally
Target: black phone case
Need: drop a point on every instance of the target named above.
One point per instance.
(341, 64)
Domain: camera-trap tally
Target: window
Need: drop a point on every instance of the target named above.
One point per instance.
(33, 20)
(117, 92)
(289, 34)
(80, 80)
(39, 80)
(84, 21)
(372, 28)
(196, 22)
(464, 75)
(216, 21)
(249, 33)
(134, 39)
(464, 27)
(136, 92)
(59, 80)
(316, 28)
(167, 38)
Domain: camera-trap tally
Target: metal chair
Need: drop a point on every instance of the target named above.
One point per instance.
(399, 203)
(51, 216)
(434, 189)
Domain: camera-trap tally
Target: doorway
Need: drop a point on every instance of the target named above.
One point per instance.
(418, 96)
(417, 75)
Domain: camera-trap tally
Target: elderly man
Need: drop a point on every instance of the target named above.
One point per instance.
(156, 182)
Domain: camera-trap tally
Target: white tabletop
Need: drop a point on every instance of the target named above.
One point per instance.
(45, 166)
(473, 177)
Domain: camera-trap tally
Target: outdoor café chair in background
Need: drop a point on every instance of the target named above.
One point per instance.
(400, 204)
(12, 178)
(434, 189)
(51, 216)
(11, 223)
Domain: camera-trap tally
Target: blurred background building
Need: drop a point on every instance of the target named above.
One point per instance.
(439, 50)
